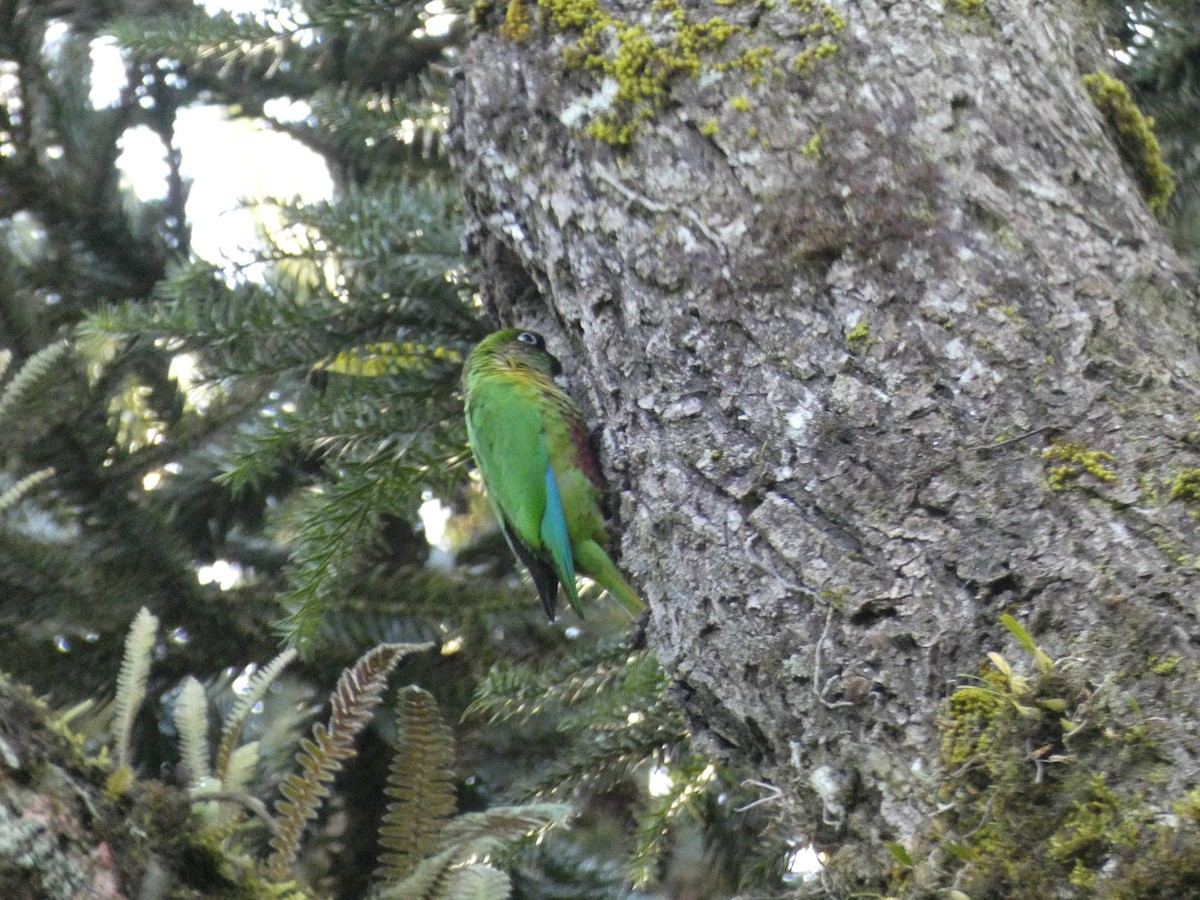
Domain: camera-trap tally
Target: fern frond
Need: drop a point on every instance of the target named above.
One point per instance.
(240, 768)
(35, 368)
(191, 721)
(477, 882)
(428, 881)
(14, 494)
(478, 832)
(470, 839)
(131, 682)
(259, 684)
(420, 784)
(353, 701)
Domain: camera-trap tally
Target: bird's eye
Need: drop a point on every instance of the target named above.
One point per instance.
(528, 337)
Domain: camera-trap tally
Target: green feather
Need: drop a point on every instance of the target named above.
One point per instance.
(530, 444)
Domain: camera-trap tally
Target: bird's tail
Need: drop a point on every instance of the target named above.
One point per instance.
(592, 561)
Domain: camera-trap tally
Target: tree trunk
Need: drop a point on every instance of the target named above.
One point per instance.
(886, 345)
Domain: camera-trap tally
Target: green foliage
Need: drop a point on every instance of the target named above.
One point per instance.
(420, 785)
(371, 266)
(357, 693)
(612, 723)
(131, 682)
(429, 852)
(610, 707)
(35, 369)
(457, 870)
(13, 396)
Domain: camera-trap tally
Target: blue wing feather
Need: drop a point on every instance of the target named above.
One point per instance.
(556, 539)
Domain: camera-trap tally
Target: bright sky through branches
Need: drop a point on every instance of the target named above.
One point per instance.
(228, 160)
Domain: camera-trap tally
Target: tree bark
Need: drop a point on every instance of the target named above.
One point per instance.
(859, 326)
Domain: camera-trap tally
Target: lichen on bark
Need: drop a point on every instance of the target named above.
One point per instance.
(635, 59)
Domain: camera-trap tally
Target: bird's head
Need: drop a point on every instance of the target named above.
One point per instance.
(521, 346)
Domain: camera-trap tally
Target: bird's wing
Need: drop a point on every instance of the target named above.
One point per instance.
(505, 424)
(556, 539)
(505, 428)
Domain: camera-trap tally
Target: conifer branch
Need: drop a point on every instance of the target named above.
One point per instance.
(34, 369)
(654, 822)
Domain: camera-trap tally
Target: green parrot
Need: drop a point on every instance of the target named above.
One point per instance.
(531, 445)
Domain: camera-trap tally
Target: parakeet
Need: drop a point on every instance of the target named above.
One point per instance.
(531, 445)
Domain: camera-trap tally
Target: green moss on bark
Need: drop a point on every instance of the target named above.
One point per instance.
(1042, 791)
(1135, 138)
(642, 59)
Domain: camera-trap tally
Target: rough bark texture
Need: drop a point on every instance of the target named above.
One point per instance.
(829, 373)
(62, 837)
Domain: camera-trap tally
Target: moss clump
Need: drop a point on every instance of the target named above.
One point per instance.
(1039, 792)
(970, 724)
(1135, 138)
(1162, 665)
(1186, 487)
(970, 7)
(641, 64)
(756, 61)
(1075, 461)
(516, 22)
(829, 22)
(1096, 822)
(859, 338)
(118, 783)
(806, 60)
